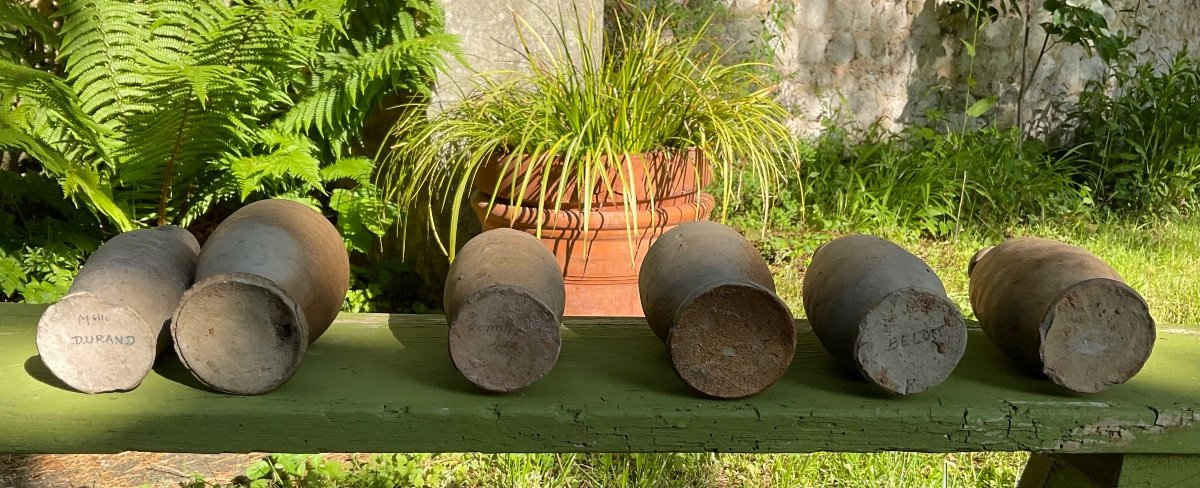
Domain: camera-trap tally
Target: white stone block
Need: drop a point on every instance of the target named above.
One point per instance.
(840, 49)
(812, 14)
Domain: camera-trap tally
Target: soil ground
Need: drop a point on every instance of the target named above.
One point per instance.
(127, 469)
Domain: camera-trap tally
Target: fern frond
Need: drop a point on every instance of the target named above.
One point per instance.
(330, 14)
(183, 104)
(200, 79)
(23, 18)
(101, 43)
(261, 36)
(363, 218)
(178, 26)
(293, 159)
(52, 99)
(178, 141)
(214, 185)
(350, 86)
(356, 169)
(171, 144)
(74, 177)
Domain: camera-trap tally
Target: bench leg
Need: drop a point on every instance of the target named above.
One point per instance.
(1070, 470)
(1037, 471)
(1110, 471)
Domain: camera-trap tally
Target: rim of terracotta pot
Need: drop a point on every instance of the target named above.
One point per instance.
(613, 217)
(667, 176)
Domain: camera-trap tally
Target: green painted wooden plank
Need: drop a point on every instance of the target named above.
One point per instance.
(1111, 471)
(385, 383)
(1159, 471)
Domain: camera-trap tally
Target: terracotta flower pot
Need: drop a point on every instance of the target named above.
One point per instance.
(600, 269)
(664, 178)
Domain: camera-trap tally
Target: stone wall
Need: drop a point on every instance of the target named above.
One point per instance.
(894, 61)
(491, 33)
(867, 61)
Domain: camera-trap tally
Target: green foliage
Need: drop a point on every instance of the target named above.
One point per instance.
(364, 220)
(890, 469)
(168, 108)
(897, 469)
(391, 470)
(640, 470)
(38, 274)
(924, 180)
(1075, 23)
(981, 11)
(25, 34)
(51, 109)
(647, 92)
(43, 239)
(313, 471)
(1082, 26)
(286, 470)
(164, 111)
(1139, 140)
(22, 18)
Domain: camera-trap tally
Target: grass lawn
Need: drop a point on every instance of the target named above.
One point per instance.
(887, 469)
(1158, 260)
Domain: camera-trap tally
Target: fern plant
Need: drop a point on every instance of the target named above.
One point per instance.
(156, 111)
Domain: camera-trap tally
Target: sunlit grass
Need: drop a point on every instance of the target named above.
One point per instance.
(1158, 259)
(888, 469)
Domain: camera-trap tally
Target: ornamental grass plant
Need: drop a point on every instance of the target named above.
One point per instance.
(574, 120)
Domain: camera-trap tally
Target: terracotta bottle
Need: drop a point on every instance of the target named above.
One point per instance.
(270, 279)
(504, 302)
(708, 294)
(881, 309)
(106, 332)
(1061, 311)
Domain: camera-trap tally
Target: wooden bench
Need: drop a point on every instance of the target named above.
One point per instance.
(384, 383)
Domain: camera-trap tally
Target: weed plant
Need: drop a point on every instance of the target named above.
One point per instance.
(578, 119)
(43, 239)
(1139, 139)
(930, 182)
(632, 470)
